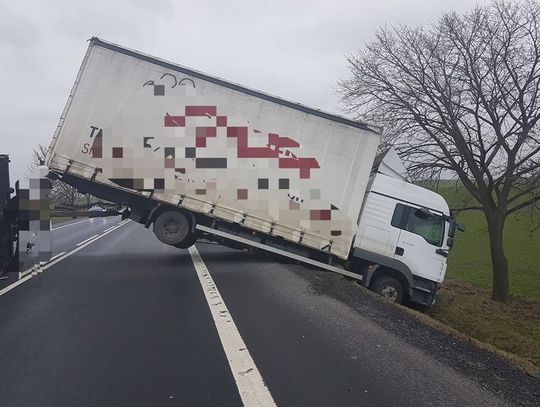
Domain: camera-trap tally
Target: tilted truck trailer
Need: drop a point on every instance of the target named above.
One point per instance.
(194, 156)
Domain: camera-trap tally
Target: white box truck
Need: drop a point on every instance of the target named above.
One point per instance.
(195, 156)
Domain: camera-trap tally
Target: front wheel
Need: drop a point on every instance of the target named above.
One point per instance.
(390, 288)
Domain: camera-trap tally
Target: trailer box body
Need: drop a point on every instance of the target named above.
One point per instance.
(180, 137)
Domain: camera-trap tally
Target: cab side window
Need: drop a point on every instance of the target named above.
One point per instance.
(419, 222)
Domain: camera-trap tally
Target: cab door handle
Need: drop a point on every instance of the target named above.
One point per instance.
(442, 252)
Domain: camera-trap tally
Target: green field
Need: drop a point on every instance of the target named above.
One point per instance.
(469, 260)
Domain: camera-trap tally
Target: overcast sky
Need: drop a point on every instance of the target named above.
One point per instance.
(294, 49)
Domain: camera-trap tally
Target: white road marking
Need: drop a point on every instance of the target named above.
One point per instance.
(57, 256)
(31, 269)
(56, 259)
(87, 240)
(248, 380)
(106, 230)
(16, 283)
(71, 224)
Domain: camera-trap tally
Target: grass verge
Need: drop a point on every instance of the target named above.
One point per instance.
(464, 302)
(513, 327)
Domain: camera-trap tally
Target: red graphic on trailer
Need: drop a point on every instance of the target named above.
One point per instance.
(277, 146)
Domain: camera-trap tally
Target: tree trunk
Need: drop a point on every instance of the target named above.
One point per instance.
(501, 284)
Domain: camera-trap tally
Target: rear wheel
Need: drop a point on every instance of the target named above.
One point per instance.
(172, 227)
(390, 288)
(189, 241)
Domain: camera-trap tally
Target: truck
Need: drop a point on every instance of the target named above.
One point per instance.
(8, 222)
(197, 157)
(25, 239)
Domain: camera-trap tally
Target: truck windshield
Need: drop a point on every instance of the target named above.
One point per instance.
(430, 227)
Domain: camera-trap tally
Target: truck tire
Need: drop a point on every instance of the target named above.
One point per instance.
(189, 241)
(390, 288)
(172, 227)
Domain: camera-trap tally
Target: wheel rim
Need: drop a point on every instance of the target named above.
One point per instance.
(389, 292)
(171, 228)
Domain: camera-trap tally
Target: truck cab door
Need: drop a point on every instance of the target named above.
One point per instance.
(421, 242)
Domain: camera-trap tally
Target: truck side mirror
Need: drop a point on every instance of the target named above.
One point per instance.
(452, 229)
(461, 227)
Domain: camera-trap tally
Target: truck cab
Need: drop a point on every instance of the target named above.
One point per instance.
(404, 234)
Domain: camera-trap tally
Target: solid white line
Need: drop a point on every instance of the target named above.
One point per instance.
(26, 272)
(56, 259)
(84, 241)
(15, 284)
(32, 269)
(248, 380)
(71, 224)
(57, 256)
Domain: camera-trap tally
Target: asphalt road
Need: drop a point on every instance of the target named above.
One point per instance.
(124, 321)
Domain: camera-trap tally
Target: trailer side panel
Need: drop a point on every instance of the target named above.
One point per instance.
(183, 138)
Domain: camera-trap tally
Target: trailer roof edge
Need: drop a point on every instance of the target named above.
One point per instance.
(200, 75)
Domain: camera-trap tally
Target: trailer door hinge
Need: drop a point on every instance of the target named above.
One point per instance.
(212, 209)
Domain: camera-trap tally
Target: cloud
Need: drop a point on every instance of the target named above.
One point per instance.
(293, 49)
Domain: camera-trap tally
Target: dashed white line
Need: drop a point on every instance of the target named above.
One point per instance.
(56, 259)
(248, 380)
(87, 240)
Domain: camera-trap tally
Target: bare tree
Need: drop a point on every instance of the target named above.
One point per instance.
(61, 193)
(38, 157)
(66, 195)
(462, 98)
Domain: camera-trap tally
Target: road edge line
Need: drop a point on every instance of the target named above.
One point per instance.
(87, 240)
(56, 259)
(71, 224)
